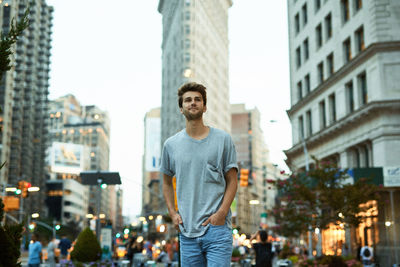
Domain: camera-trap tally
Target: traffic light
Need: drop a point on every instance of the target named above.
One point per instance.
(162, 228)
(23, 187)
(103, 186)
(57, 227)
(26, 187)
(32, 226)
(244, 177)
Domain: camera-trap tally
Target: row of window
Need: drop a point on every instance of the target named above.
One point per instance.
(358, 36)
(345, 12)
(359, 46)
(329, 62)
(318, 39)
(306, 130)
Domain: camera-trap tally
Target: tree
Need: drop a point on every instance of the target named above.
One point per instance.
(87, 248)
(10, 242)
(10, 235)
(320, 197)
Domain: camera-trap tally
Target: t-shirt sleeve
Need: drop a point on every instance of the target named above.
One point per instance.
(166, 166)
(229, 156)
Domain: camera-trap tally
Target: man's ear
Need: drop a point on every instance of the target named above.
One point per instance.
(204, 109)
(181, 110)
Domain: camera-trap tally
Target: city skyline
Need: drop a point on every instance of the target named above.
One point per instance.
(115, 63)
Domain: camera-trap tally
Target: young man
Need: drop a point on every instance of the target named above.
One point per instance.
(203, 160)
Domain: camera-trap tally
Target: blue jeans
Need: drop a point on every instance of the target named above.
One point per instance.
(213, 249)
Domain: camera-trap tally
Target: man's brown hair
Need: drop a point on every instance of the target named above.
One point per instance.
(192, 87)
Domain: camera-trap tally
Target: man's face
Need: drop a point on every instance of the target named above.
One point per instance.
(192, 105)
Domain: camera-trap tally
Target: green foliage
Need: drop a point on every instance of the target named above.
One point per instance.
(10, 235)
(317, 198)
(87, 248)
(294, 258)
(10, 242)
(235, 252)
(7, 40)
(286, 252)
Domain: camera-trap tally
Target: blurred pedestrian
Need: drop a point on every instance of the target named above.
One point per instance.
(51, 254)
(367, 254)
(130, 248)
(169, 249)
(263, 249)
(64, 246)
(35, 252)
(203, 160)
(163, 257)
(148, 245)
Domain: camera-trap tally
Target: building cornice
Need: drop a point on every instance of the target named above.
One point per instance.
(343, 71)
(348, 122)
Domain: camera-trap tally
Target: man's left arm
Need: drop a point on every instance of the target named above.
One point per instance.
(218, 218)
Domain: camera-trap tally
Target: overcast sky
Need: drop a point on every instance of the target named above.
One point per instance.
(108, 53)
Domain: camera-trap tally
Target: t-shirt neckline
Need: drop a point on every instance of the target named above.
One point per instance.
(198, 140)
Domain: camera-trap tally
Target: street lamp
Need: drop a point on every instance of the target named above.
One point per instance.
(254, 202)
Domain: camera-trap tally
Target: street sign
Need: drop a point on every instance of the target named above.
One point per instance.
(92, 177)
(106, 238)
(391, 176)
(10, 203)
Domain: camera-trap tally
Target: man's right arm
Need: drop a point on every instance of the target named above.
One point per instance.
(168, 191)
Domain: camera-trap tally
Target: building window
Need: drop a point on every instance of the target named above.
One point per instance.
(187, 29)
(187, 43)
(320, 71)
(357, 5)
(309, 123)
(360, 39)
(298, 57)
(187, 15)
(322, 114)
(345, 10)
(301, 128)
(297, 23)
(187, 2)
(350, 96)
(317, 5)
(304, 13)
(307, 85)
(305, 48)
(347, 50)
(318, 35)
(332, 108)
(328, 26)
(329, 61)
(299, 91)
(362, 85)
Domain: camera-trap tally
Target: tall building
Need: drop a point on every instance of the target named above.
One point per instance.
(67, 199)
(151, 163)
(23, 98)
(345, 97)
(70, 122)
(195, 48)
(254, 201)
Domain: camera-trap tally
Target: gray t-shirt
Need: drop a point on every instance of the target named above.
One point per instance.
(199, 167)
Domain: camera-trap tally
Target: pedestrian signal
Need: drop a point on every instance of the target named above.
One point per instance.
(32, 226)
(244, 177)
